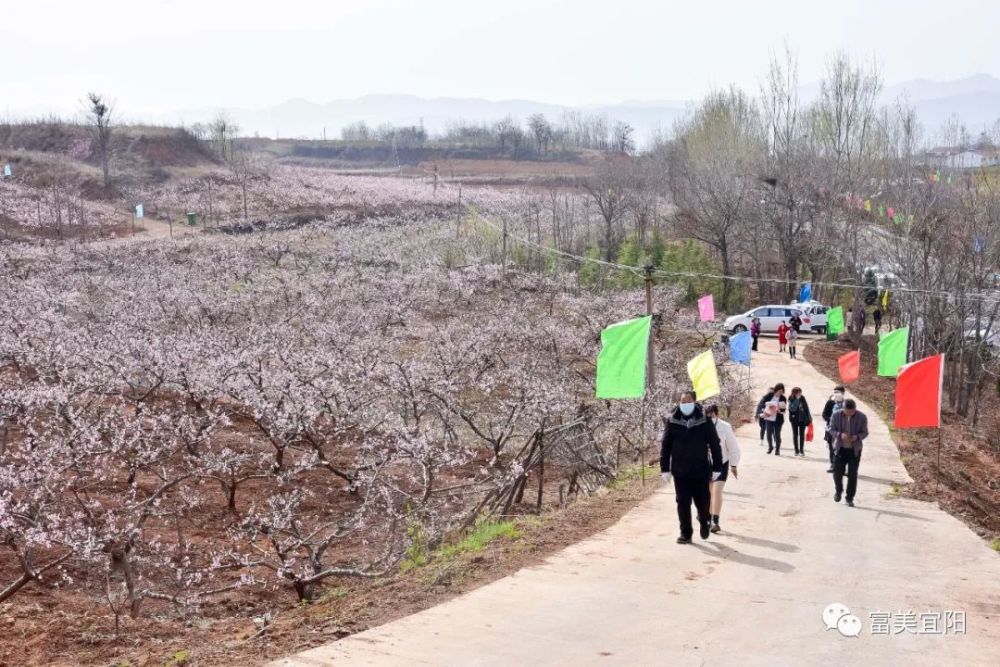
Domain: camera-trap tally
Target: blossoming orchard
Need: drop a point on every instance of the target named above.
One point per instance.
(244, 412)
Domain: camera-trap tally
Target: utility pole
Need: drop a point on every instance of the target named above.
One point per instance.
(650, 373)
(651, 353)
(503, 253)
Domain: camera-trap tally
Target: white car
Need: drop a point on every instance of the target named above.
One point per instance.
(770, 318)
(816, 314)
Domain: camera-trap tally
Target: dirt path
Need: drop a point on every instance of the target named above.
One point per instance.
(752, 595)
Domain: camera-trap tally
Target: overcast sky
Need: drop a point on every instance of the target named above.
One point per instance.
(162, 55)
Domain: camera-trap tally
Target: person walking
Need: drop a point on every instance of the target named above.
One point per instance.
(775, 405)
(833, 405)
(800, 418)
(755, 332)
(760, 414)
(690, 453)
(730, 460)
(793, 337)
(877, 319)
(849, 428)
(783, 330)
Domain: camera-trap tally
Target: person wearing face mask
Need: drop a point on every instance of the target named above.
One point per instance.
(834, 405)
(730, 447)
(848, 428)
(690, 454)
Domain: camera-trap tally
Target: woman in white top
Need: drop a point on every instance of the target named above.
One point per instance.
(730, 459)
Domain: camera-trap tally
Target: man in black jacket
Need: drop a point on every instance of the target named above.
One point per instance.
(691, 454)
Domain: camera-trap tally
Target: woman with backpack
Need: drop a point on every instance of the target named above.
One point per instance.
(800, 418)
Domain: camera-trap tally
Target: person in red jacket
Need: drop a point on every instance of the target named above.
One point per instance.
(782, 336)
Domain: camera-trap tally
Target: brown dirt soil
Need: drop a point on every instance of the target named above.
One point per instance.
(12, 231)
(969, 483)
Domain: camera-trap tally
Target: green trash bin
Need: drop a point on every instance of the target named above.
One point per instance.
(191, 219)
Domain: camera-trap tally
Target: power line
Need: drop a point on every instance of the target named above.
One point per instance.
(638, 271)
(739, 279)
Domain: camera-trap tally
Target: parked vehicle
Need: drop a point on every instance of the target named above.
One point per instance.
(816, 312)
(770, 318)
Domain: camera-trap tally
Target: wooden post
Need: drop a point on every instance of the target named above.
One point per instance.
(133, 223)
(940, 436)
(650, 356)
(503, 255)
(541, 468)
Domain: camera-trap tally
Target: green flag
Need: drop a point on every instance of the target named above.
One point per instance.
(892, 352)
(621, 365)
(835, 320)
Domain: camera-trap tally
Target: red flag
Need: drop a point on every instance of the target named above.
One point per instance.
(918, 393)
(850, 366)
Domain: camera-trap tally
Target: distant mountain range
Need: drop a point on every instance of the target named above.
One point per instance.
(975, 100)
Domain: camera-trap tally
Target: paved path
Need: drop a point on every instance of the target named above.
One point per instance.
(752, 595)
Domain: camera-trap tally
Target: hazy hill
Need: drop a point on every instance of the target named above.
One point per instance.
(974, 99)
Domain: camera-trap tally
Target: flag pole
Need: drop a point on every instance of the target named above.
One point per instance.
(650, 372)
(940, 436)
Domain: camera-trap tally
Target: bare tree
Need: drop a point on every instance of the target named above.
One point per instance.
(846, 138)
(542, 131)
(713, 165)
(505, 129)
(101, 111)
(245, 164)
(621, 138)
(609, 189)
(223, 131)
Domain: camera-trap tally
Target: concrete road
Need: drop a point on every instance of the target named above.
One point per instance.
(751, 595)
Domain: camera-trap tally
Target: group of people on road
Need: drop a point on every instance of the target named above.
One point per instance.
(771, 411)
(699, 449)
(788, 334)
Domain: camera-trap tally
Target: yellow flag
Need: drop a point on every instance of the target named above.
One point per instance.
(885, 299)
(704, 378)
(868, 205)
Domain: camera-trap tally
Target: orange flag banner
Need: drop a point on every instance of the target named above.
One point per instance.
(850, 366)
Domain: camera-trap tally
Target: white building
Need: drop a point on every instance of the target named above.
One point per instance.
(962, 158)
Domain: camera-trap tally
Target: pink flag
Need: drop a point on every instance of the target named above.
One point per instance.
(706, 308)
(891, 211)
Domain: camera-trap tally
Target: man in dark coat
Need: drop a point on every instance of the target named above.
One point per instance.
(690, 453)
(848, 428)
